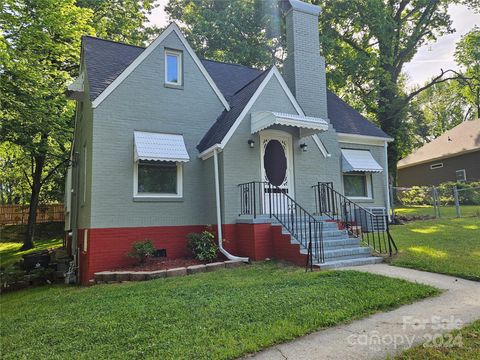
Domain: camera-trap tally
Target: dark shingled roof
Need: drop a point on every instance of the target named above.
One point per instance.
(230, 77)
(105, 61)
(226, 119)
(346, 119)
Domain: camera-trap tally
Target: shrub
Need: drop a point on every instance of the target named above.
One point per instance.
(11, 276)
(202, 246)
(422, 195)
(417, 195)
(142, 250)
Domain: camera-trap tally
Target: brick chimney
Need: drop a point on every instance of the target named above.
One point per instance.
(304, 68)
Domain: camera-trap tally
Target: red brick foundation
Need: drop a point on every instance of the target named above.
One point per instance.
(106, 249)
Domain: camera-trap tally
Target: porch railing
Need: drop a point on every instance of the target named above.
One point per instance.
(262, 198)
(371, 228)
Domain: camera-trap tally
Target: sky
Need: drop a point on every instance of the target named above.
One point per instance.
(430, 58)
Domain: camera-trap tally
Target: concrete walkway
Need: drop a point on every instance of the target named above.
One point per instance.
(387, 333)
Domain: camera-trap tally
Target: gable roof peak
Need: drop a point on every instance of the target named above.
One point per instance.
(172, 27)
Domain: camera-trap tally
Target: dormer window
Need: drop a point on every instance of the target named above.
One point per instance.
(173, 67)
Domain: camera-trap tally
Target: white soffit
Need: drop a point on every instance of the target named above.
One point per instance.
(359, 160)
(160, 147)
(264, 119)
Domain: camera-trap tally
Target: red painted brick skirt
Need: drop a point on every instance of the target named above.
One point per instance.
(106, 249)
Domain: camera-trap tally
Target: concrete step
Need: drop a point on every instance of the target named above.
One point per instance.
(326, 234)
(339, 243)
(334, 264)
(335, 242)
(343, 253)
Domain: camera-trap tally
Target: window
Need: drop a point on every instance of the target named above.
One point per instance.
(173, 67)
(158, 179)
(357, 185)
(436, 166)
(461, 175)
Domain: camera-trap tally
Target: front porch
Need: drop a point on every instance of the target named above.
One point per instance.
(337, 233)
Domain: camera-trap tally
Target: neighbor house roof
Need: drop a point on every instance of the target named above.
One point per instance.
(463, 138)
(105, 60)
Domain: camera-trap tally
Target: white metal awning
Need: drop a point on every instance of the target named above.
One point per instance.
(160, 147)
(359, 160)
(308, 125)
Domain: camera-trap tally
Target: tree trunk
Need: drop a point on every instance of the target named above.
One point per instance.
(34, 198)
(389, 117)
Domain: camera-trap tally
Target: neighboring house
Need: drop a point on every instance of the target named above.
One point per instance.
(453, 156)
(163, 139)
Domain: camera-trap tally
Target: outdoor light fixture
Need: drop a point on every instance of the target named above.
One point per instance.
(303, 147)
(251, 143)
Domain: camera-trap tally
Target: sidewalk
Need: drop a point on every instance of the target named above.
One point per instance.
(387, 333)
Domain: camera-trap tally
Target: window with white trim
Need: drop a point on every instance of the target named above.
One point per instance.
(158, 179)
(173, 67)
(357, 185)
(461, 175)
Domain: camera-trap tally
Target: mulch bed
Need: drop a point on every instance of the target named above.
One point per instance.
(402, 219)
(162, 264)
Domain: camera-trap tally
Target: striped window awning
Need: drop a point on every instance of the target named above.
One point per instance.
(160, 147)
(308, 125)
(360, 161)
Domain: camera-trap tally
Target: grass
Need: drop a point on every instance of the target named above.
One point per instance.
(459, 344)
(47, 235)
(445, 211)
(219, 315)
(447, 246)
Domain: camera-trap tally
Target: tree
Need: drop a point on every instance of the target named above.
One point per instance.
(367, 43)
(14, 187)
(40, 53)
(121, 20)
(467, 55)
(443, 107)
(247, 32)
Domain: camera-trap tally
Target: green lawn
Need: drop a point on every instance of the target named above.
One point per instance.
(47, 235)
(459, 344)
(219, 315)
(445, 211)
(448, 246)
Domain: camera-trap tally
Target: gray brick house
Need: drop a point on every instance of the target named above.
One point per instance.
(163, 141)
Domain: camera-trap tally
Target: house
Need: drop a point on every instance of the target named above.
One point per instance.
(453, 156)
(164, 139)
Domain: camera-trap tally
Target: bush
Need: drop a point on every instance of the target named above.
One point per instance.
(202, 246)
(11, 276)
(142, 250)
(422, 195)
(417, 195)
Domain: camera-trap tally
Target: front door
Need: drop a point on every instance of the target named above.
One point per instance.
(276, 168)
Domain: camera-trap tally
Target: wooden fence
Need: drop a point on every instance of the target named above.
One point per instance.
(18, 214)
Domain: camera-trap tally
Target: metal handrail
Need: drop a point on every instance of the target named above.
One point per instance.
(371, 228)
(263, 198)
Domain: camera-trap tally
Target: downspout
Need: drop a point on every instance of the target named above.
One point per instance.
(219, 212)
(387, 185)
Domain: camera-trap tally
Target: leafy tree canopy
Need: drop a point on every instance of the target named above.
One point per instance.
(121, 20)
(467, 54)
(247, 32)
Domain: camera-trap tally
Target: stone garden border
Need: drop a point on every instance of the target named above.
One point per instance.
(105, 277)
